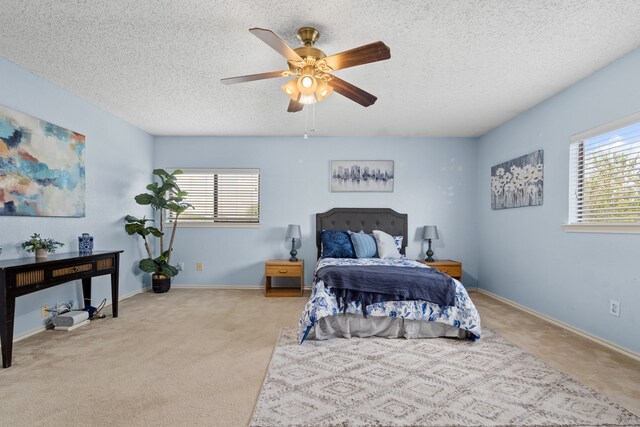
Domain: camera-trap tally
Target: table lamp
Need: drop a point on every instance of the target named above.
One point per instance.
(293, 233)
(430, 233)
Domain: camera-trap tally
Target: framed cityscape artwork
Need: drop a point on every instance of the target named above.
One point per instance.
(362, 175)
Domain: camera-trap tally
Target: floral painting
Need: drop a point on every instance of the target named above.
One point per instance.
(41, 167)
(518, 182)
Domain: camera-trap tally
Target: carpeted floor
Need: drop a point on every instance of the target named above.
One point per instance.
(199, 357)
(185, 358)
(432, 382)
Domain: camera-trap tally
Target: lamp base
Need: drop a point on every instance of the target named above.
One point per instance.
(293, 254)
(429, 253)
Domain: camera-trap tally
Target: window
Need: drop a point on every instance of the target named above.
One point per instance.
(604, 182)
(220, 196)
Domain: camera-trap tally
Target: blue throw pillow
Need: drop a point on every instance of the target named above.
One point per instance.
(336, 244)
(364, 244)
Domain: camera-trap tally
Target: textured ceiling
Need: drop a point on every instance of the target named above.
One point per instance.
(457, 68)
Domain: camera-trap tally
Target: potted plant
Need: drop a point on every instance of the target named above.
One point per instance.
(42, 247)
(161, 196)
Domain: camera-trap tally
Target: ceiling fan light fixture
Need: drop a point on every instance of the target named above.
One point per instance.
(307, 84)
(323, 90)
(308, 99)
(306, 81)
(291, 89)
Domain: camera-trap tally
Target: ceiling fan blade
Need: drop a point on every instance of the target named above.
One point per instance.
(252, 77)
(276, 43)
(295, 106)
(371, 52)
(352, 92)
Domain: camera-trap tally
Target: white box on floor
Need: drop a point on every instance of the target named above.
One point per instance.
(70, 318)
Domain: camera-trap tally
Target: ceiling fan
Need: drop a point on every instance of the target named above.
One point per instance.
(311, 69)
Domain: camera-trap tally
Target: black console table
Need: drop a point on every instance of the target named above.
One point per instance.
(23, 276)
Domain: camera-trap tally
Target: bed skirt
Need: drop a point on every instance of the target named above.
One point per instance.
(352, 325)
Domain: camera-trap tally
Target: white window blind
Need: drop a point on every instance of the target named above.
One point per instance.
(604, 183)
(221, 196)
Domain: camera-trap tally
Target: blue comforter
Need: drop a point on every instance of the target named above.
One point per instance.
(378, 283)
(322, 303)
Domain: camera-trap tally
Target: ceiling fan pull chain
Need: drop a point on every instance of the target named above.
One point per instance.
(306, 122)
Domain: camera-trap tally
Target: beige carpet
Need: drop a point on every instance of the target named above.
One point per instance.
(430, 382)
(198, 357)
(189, 357)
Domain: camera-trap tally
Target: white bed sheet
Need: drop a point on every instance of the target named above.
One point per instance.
(354, 325)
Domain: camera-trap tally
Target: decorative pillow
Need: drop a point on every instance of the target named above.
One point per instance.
(398, 240)
(386, 245)
(363, 244)
(336, 244)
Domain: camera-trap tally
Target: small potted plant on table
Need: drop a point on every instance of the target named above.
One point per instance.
(42, 247)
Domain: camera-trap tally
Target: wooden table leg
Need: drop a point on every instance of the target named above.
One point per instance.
(267, 285)
(86, 291)
(115, 277)
(7, 313)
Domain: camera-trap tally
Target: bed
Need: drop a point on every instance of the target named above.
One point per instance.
(326, 316)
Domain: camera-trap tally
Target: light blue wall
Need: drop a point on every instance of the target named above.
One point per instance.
(118, 165)
(525, 255)
(521, 254)
(434, 184)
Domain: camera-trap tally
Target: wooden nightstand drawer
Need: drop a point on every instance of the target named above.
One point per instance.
(283, 270)
(452, 268)
(453, 271)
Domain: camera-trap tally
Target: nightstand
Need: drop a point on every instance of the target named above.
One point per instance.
(452, 268)
(283, 268)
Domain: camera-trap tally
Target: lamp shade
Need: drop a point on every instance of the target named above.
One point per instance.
(291, 89)
(430, 232)
(293, 232)
(323, 90)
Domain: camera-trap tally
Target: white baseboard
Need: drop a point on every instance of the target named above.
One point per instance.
(221, 287)
(611, 346)
(30, 333)
(227, 287)
(108, 303)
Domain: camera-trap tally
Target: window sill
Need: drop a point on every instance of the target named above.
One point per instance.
(210, 225)
(603, 228)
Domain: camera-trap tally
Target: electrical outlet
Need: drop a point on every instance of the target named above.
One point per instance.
(43, 311)
(614, 308)
(181, 266)
(199, 266)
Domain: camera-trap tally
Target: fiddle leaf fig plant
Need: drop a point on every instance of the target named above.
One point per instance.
(162, 196)
(159, 265)
(138, 226)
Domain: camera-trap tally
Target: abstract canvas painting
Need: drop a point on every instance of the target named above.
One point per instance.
(518, 182)
(361, 175)
(41, 167)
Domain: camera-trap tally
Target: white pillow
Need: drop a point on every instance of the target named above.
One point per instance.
(386, 245)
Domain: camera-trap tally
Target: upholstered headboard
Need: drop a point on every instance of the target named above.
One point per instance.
(367, 219)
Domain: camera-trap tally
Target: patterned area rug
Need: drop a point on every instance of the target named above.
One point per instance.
(427, 382)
